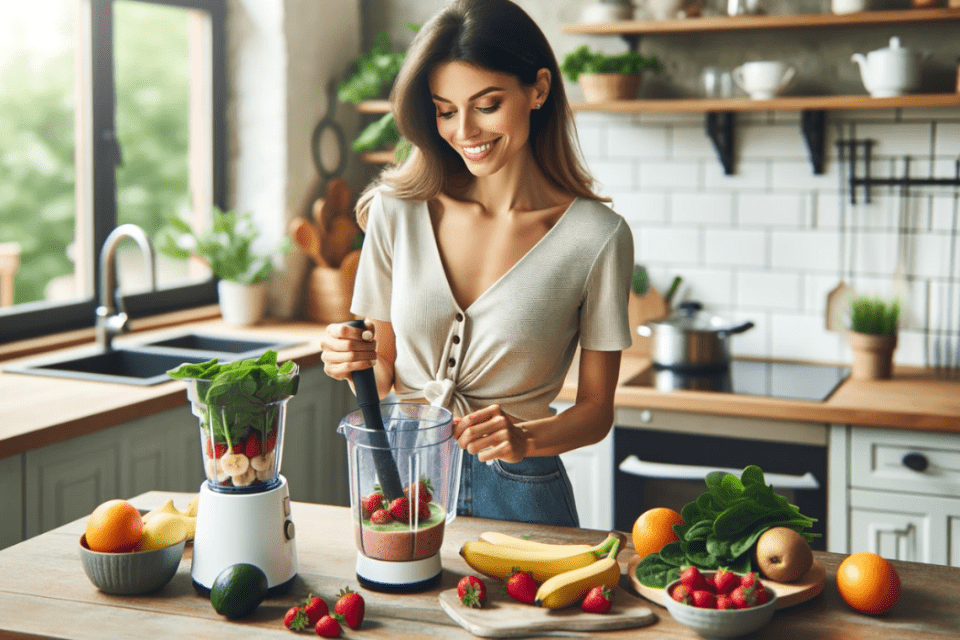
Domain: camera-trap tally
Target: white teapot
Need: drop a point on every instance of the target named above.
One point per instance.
(891, 71)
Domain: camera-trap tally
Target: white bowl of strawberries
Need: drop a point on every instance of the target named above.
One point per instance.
(720, 604)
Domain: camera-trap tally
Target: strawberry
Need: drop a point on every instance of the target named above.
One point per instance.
(521, 586)
(315, 608)
(371, 503)
(328, 627)
(471, 591)
(350, 607)
(423, 511)
(682, 594)
(296, 619)
(762, 594)
(598, 600)
(692, 579)
(271, 441)
(423, 488)
(400, 509)
(749, 579)
(381, 516)
(219, 450)
(725, 602)
(237, 448)
(744, 597)
(704, 599)
(725, 581)
(252, 448)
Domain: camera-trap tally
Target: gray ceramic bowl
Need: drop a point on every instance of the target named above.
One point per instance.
(720, 623)
(133, 573)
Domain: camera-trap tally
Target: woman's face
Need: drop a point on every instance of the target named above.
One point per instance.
(484, 115)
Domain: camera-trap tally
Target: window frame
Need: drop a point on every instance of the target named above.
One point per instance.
(32, 319)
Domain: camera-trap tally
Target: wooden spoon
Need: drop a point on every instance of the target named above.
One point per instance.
(305, 237)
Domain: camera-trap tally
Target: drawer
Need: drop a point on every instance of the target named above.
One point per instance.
(880, 459)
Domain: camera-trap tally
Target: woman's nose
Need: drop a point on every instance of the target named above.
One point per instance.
(467, 126)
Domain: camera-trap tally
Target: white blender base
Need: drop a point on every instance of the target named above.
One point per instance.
(251, 528)
(383, 575)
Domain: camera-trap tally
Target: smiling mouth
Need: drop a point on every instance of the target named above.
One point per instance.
(477, 152)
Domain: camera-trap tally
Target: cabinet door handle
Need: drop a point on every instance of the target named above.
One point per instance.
(915, 461)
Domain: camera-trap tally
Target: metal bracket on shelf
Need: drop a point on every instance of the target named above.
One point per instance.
(812, 127)
(848, 149)
(720, 130)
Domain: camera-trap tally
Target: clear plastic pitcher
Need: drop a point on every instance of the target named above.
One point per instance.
(241, 436)
(402, 518)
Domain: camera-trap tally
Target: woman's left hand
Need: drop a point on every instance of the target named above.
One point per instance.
(490, 433)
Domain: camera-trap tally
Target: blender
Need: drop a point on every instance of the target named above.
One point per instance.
(404, 467)
(243, 512)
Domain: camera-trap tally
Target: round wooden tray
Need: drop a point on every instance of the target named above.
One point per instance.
(788, 593)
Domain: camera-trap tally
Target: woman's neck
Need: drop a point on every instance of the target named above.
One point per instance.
(519, 186)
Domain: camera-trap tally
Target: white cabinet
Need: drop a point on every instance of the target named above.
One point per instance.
(11, 500)
(590, 470)
(901, 498)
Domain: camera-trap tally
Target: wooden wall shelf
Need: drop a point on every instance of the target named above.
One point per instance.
(373, 106)
(745, 23)
(784, 103)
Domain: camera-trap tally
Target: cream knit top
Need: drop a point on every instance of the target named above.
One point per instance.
(514, 344)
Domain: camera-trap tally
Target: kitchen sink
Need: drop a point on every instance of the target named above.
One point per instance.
(144, 364)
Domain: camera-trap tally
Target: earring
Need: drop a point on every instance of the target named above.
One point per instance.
(537, 106)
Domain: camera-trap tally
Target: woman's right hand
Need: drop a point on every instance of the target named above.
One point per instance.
(347, 349)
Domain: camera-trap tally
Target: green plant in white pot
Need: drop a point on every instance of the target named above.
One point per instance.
(873, 336)
(227, 248)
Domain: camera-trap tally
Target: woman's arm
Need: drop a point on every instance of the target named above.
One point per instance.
(490, 433)
(345, 350)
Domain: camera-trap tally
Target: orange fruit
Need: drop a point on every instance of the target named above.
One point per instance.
(868, 582)
(653, 529)
(114, 526)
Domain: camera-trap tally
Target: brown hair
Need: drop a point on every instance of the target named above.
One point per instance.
(496, 35)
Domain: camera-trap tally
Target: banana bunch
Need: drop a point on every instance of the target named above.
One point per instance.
(499, 555)
(189, 516)
(572, 586)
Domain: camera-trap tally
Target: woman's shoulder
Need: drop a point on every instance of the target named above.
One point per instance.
(596, 214)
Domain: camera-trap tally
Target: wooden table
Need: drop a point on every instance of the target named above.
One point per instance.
(44, 592)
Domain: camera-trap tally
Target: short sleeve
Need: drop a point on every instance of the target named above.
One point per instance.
(374, 283)
(604, 321)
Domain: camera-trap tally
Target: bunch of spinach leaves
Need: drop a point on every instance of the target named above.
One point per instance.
(234, 397)
(721, 527)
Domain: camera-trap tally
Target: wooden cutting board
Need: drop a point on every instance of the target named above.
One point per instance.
(503, 617)
(788, 593)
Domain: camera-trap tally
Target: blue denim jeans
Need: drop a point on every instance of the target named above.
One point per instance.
(535, 490)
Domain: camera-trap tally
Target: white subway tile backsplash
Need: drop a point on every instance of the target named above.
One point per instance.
(764, 243)
(623, 141)
(709, 208)
(667, 245)
(735, 247)
(805, 250)
(640, 207)
(670, 174)
(913, 138)
(769, 290)
(770, 209)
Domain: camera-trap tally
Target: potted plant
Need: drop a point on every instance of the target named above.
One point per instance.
(873, 336)
(227, 248)
(608, 77)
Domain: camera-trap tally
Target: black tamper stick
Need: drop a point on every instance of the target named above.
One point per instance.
(365, 384)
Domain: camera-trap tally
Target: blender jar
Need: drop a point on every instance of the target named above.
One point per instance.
(241, 437)
(419, 439)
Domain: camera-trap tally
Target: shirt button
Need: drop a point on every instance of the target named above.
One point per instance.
(451, 362)
(459, 317)
(456, 339)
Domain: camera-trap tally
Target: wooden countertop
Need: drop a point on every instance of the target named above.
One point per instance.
(44, 592)
(37, 411)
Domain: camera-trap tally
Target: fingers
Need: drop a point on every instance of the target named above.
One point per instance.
(489, 433)
(346, 349)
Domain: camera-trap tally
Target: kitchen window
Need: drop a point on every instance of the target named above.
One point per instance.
(111, 111)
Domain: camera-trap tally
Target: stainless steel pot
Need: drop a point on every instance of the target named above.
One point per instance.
(691, 339)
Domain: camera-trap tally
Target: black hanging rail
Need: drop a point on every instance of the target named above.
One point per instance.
(850, 150)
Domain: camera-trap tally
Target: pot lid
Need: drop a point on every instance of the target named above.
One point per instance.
(894, 49)
(689, 316)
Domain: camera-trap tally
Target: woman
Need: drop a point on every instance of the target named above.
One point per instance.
(487, 259)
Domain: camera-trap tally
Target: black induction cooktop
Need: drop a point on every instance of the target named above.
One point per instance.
(791, 380)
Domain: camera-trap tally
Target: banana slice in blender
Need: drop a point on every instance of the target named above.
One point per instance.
(246, 478)
(262, 462)
(235, 464)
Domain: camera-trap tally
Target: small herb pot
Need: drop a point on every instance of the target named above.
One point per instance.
(872, 355)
